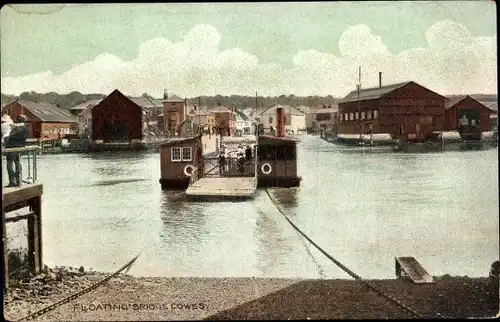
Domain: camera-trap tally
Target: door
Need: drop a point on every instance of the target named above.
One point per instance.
(116, 132)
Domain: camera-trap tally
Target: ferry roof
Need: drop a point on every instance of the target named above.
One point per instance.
(279, 139)
(176, 140)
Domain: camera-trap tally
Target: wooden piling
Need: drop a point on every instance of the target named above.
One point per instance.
(15, 198)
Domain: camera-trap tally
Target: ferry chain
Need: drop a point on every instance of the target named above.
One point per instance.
(344, 268)
(80, 293)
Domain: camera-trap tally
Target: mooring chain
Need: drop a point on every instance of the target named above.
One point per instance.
(344, 268)
(80, 293)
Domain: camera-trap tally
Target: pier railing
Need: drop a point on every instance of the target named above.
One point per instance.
(27, 159)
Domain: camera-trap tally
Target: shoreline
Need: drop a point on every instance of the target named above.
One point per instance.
(127, 297)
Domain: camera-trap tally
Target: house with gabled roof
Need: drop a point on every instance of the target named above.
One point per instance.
(202, 116)
(407, 111)
(225, 120)
(44, 120)
(117, 118)
(468, 116)
(295, 120)
(321, 118)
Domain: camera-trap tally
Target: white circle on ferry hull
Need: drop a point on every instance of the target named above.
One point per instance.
(270, 169)
(190, 172)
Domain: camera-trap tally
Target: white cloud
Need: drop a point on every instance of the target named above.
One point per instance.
(452, 62)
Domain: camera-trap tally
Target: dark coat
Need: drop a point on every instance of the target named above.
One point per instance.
(17, 137)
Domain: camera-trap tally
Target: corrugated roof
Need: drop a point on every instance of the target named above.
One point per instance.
(146, 102)
(371, 93)
(454, 100)
(83, 106)
(48, 112)
(288, 108)
(493, 106)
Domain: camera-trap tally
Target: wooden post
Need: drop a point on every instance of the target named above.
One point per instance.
(5, 255)
(35, 236)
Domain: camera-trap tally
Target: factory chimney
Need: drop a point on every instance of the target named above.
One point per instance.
(280, 114)
(379, 79)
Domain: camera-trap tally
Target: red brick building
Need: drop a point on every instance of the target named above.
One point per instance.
(174, 113)
(225, 120)
(116, 118)
(468, 116)
(405, 111)
(44, 120)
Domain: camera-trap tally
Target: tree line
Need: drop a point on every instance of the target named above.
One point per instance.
(72, 99)
(67, 101)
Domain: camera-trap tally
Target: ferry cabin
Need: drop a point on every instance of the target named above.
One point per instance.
(181, 160)
(277, 163)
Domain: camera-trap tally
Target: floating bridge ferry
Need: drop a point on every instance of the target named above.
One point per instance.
(265, 161)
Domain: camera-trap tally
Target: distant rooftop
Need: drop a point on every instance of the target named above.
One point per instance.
(371, 93)
(290, 109)
(83, 106)
(173, 99)
(146, 102)
(47, 112)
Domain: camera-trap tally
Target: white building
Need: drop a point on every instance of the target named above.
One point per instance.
(295, 120)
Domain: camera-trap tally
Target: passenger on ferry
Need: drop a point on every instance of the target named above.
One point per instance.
(248, 153)
(222, 162)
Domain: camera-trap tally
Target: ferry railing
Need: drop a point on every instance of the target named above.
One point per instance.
(27, 160)
(233, 167)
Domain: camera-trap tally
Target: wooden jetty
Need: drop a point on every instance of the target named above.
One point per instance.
(410, 267)
(16, 198)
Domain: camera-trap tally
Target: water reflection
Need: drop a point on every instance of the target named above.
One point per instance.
(286, 197)
(274, 247)
(115, 182)
(183, 223)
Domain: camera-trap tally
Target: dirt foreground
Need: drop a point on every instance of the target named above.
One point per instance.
(190, 298)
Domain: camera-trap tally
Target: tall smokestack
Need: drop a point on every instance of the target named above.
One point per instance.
(379, 79)
(280, 114)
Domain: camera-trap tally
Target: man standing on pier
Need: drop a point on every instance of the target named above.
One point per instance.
(16, 139)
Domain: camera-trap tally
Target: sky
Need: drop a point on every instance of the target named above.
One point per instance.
(192, 49)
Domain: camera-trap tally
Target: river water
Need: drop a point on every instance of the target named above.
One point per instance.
(364, 208)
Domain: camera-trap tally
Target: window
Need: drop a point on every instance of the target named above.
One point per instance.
(186, 154)
(375, 114)
(323, 117)
(270, 120)
(363, 115)
(357, 115)
(340, 119)
(351, 116)
(369, 115)
(176, 154)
